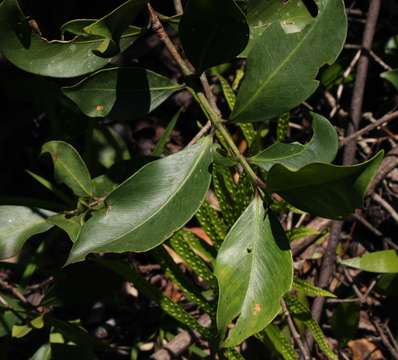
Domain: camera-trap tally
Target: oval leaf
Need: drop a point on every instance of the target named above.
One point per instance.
(379, 262)
(69, 167)
(325, 190)
(282, 66)
(254, 269)
(60, 59)
(149, 206)
(121, 93)
(322, 148)
(18, 224)
(212, 32)
(112, 26)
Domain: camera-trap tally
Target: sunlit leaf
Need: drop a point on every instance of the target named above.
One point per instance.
(325, 190)
(322, 148)
(254, 269)
(149, 206)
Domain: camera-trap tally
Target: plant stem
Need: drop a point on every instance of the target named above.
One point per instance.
(212, 112)
(218, 123)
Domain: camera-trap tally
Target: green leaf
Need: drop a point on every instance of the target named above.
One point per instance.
(391, 76)
(325, 190)
(282, 66)
(385, 261)
(212, 32)
(150, 206)
(76, 27)
(71, 225)
(281, 343)
(291, 15)
(18, 224)
(69, 167)
(254, 269)
(59, 59)
(121, 93)
(322, 148)
(43, 353)
(302, 313)
(19, 331)
(112, 26)
(161, 144)
(311, 290)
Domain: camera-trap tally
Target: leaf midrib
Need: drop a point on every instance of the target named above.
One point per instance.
(282, 64)
(193, 168)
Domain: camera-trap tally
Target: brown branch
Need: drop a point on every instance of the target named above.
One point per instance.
(329, 259)
(201, 133)
(380, 122)
(158, 28)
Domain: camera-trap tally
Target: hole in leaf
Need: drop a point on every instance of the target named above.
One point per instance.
(249, 250)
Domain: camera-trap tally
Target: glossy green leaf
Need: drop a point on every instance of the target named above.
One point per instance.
(71, 225)
(69, 167)
(385, 261)
(254, 269)
(291, 15)
(18, 224)
(322, 148)
(60, 59)
(391, 76)
(212, 32)
(121, 93)
(112, 26)
(43, 353)
(282, 66)
(149, 206)
(325, 190)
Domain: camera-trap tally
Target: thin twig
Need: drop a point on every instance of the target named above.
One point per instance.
(296, 336)
(380, 122)
(201, 133)
(14, 291)
(385, 340)
(158, 28)
(376, 197)
(178, 7)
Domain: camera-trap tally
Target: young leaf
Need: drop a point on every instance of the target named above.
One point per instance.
(385, 261)
(149, 206)
(322, 148)
(254, 269)
(121, 93)
(112, 26)
(18, 224)
(282, 66)
(212, 32)
(391, 76)
(59, 59)
(69, 167)
(325, 190)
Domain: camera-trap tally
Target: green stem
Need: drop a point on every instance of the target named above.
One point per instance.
(218, 123)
